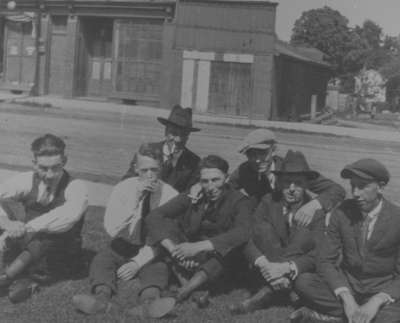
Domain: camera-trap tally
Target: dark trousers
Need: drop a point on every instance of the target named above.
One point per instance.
(318, 296)
(103, 270)
(52, 254)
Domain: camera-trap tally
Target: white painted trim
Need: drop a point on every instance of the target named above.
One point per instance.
(238, 58)
(194, 54)
(203, 85)
(187, 82)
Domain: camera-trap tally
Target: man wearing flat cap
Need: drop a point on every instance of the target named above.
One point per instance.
(359, 268)
(255, 177)
(280, 249)
(179, 167)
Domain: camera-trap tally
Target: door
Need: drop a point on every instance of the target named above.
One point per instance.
(57, 55)
(98, 37)
(230, 88)
(138, 54)
(21, 53)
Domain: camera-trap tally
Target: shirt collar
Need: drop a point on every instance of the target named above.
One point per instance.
(374, 213)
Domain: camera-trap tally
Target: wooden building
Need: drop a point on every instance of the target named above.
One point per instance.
(217, 56)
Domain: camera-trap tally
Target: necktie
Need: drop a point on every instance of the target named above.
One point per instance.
(364, 233)
(145, 212)
(44, 199)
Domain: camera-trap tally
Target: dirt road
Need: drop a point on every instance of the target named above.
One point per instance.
(102, 144)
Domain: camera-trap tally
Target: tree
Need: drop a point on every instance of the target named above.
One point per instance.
(327, 30)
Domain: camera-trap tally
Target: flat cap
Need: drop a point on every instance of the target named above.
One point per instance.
(368, 169)
(258, 139)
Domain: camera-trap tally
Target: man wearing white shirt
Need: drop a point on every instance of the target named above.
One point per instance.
(128, 256)
(51, 217)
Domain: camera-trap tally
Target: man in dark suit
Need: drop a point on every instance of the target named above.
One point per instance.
(359, 267)
(202, 236)
(179, 168)
(255, 177)
(280, 249)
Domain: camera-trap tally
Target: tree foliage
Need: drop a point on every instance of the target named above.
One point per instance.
(348, 49)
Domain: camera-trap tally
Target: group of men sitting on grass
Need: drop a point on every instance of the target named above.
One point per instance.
(178, 220)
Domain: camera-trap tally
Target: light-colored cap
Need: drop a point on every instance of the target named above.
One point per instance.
(258, 139)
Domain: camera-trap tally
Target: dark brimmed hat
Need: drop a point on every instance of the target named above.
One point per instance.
(367, 169)
(257, 139)
(180, 117)
(295, 163)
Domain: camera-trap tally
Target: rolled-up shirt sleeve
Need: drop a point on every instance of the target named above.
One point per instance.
(62, 218)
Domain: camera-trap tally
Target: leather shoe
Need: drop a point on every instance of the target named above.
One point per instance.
(256, 302)
(22, 289)
(306, 315)
(90, 304)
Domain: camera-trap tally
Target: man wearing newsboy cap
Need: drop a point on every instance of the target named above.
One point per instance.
(255, 177)
(359, 269)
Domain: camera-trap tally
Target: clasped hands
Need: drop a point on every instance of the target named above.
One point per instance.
(274, 273)
(16, 229)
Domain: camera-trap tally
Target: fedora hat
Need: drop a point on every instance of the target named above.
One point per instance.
(180, 117)
(295, 163)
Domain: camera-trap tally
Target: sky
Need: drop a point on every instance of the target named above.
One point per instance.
(386, 13)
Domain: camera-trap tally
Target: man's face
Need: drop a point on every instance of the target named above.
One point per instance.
(212, 181)
(49, 168)
(147, 168)
(293, 187)
(176, 137)
(260, 159)
(367, 194)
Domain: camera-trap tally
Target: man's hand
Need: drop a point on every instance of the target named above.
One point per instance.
(280, 283)
(349, 305)
(367, 312)
(146, 186)
(195, 193)
(275, 270)
(128, 270)
(15, 229)
(188, 250)
(188, 264)
(306, 213)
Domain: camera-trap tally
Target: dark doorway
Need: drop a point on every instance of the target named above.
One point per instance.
(95, 57)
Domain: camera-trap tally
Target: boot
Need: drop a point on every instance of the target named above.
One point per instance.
(198, 279)
(97, 303)
(22, 289)
(255, 302)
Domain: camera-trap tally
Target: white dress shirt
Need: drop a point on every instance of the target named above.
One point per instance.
(124, 208)
(58, 220)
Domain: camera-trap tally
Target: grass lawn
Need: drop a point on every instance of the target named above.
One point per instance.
(53, 303)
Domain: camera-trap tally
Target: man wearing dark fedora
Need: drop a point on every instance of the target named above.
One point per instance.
(179, 167)
(255, 177)
(359, 268)
(280, 248)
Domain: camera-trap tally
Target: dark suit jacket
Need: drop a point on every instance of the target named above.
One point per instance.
(182, 176)
(329, 193)
(297, 242)
(179, 217)
(379, 269)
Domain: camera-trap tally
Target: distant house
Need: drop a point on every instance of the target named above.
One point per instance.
(217, 56)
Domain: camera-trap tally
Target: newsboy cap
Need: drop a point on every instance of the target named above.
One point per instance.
(368, 169)
(258, 139)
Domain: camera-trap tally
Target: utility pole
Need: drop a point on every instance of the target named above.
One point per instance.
(38, 25)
